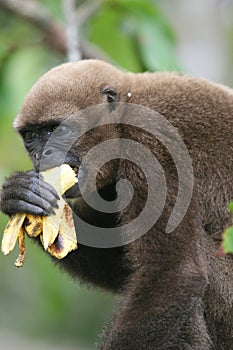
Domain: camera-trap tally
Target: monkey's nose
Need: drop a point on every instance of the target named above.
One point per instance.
(51, 156)
(47, 153)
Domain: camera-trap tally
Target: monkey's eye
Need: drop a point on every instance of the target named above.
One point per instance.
(111, 93)
(30, 135)
(46, 133)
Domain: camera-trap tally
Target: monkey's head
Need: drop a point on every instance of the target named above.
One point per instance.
(64, 102)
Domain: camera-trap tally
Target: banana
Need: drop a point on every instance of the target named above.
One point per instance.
(21, 239)
(66, 239)
(11, 233)
(33, 225)
(57, 232)
(61, 178)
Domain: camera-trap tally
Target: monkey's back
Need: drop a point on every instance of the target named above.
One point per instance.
(202, 112)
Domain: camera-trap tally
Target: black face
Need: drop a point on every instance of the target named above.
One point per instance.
(50, 145)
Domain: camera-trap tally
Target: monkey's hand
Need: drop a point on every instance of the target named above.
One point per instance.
(59, 229)
(26, 192)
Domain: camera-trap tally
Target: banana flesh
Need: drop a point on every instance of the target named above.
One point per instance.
(57, 232)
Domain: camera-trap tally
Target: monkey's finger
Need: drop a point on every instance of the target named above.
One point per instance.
(34, 198)
(44, 193)
(38, 185)
(33, 181)
(48, 187)
(38, 200)
(21, 206)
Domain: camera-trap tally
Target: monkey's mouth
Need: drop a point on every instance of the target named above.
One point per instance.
(75, 169)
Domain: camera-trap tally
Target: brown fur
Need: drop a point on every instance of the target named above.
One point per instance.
(178, 294)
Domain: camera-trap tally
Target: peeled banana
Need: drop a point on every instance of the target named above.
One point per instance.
(57, 232)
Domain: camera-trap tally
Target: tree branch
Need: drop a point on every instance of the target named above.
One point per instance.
(53, 32)
(86, 10)
(72, 31)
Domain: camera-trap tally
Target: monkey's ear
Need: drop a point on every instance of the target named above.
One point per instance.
(111, 93)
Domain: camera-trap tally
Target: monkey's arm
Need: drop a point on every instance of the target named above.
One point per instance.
(160, 319)
(27, 192)
(163, 309)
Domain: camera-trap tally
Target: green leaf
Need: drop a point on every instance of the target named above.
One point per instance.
(23, 68)
(110, 29)
(54, 8)
(146, 33)
(156, 46)
(227, 243)
(141, 9)
(230, 207)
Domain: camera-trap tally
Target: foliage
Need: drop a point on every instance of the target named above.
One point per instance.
(136, 35)
(227, 243)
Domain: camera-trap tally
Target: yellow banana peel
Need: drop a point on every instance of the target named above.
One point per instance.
(57, 232)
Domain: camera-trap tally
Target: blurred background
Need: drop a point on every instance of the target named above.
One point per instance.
(40, 306)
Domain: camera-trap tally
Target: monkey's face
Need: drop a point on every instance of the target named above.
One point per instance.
(67, 113)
